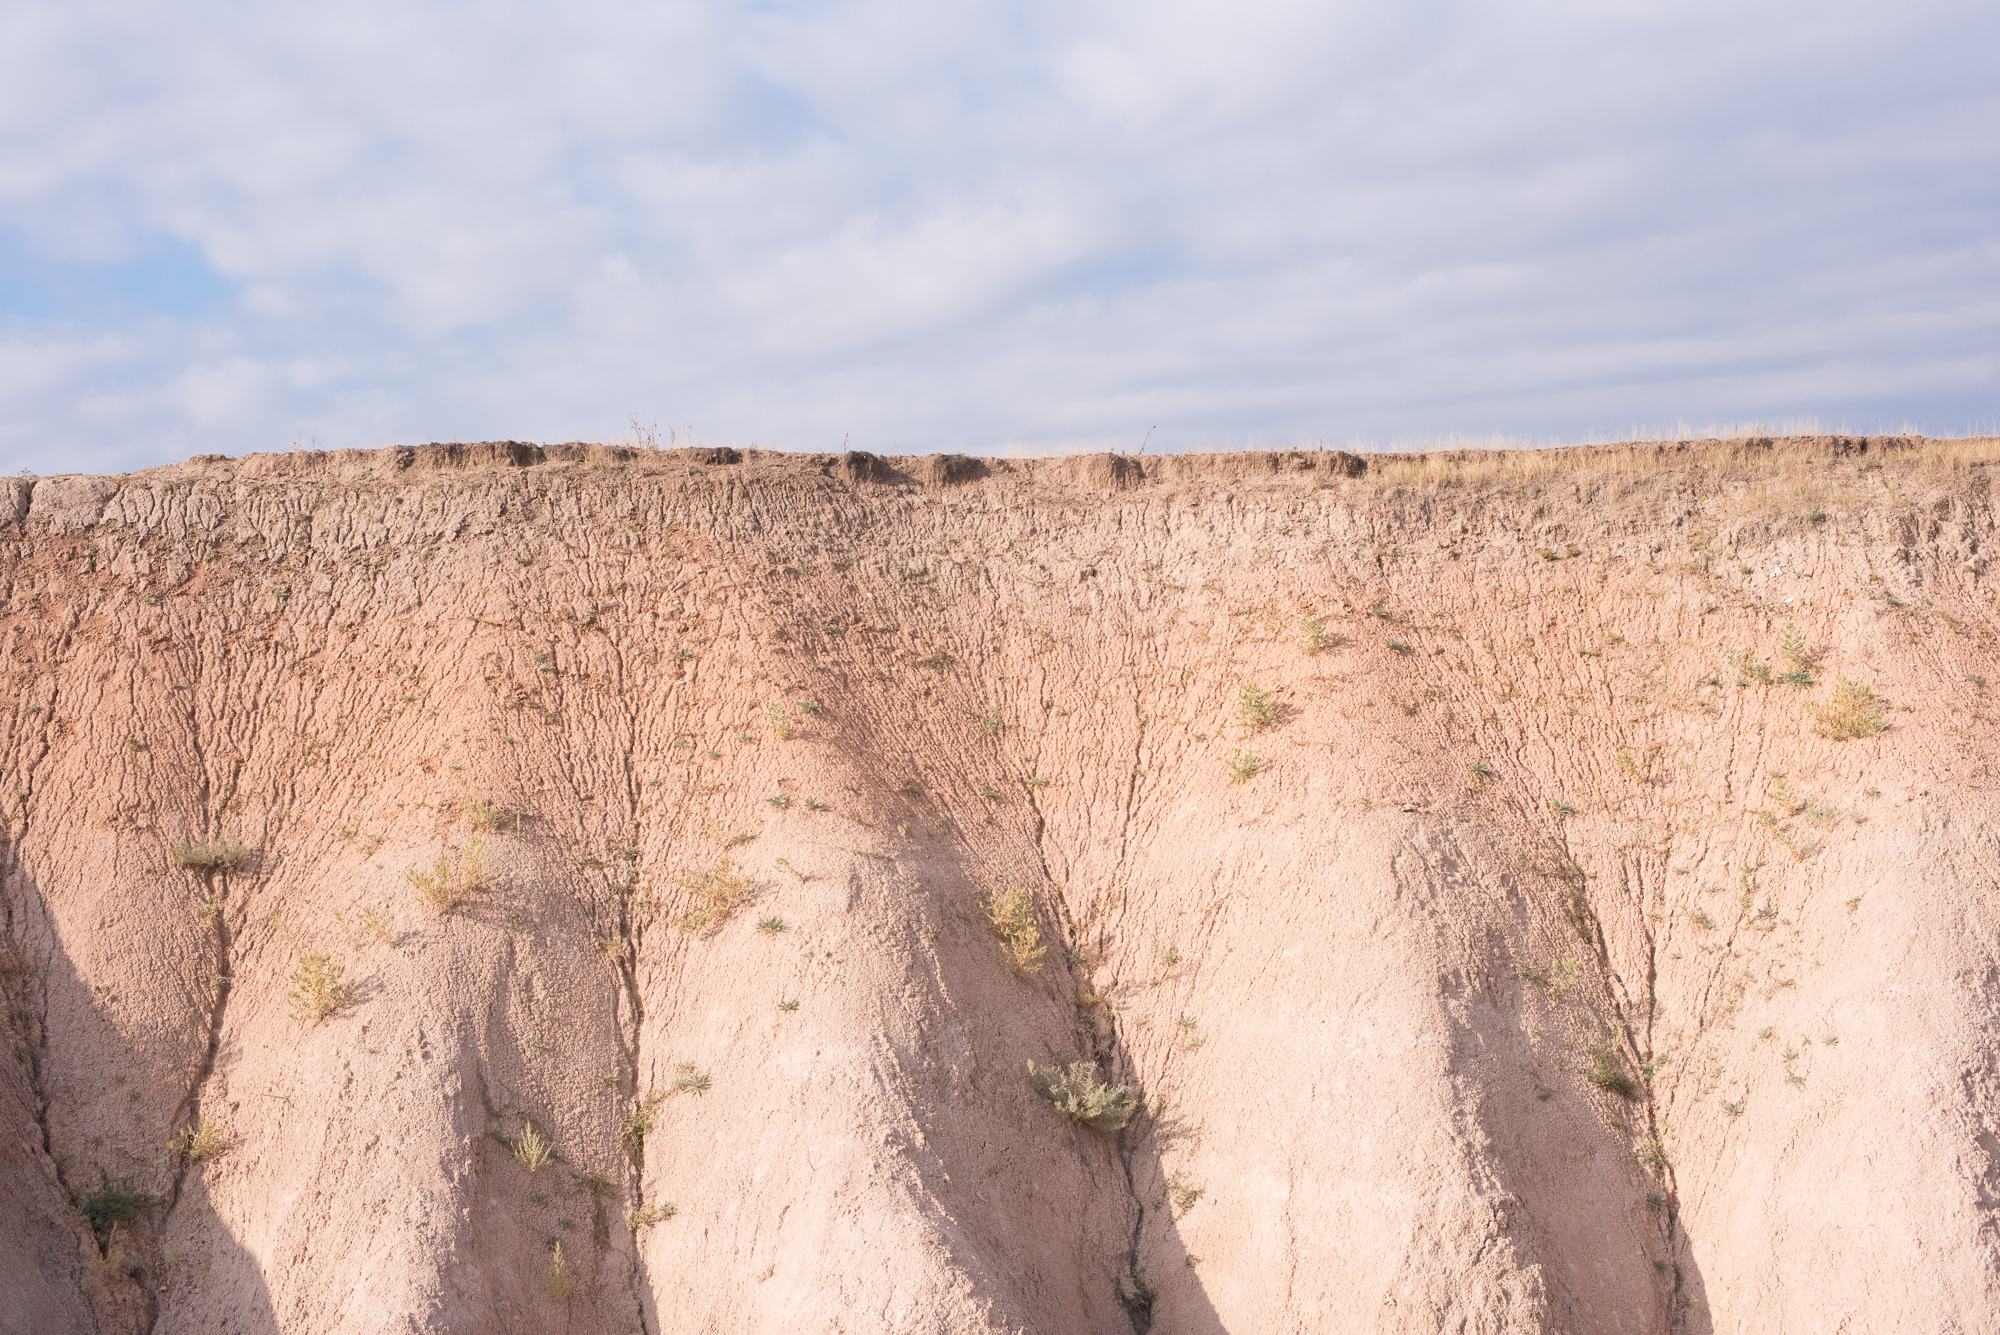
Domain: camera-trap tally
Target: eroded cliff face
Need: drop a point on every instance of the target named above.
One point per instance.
(1461, 856)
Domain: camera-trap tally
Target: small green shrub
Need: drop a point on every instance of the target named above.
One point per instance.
(809, 707)
(782, 726)
(639, 1122)
(1256, 708)
(210, 855)
(1012, 916)
(770, 926)
(713, 895)
(650, 1214)
(687, 1080)
(560, 1280)
(1242, 765)
(1481, 770)
(1396, 646)
(1851, 711)
(112, 1204)
(1604, 1073)
(317, 991)
(532, 1149)
(1079, 1094)
(1313, 638)
(200, 1141)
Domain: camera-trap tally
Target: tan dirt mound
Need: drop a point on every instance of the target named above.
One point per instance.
(575, 889)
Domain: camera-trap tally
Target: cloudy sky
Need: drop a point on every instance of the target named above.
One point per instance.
(919, 225)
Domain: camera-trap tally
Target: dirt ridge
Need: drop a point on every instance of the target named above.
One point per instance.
(1524, 886)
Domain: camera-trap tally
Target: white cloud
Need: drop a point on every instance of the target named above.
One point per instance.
(947, 225)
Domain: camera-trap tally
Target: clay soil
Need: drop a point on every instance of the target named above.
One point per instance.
(512, 889)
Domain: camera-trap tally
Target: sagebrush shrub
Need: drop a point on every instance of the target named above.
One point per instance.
(1079, 1094)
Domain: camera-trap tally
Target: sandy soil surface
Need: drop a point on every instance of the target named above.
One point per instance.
(495, 888)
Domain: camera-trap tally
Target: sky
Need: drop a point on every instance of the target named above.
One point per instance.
(911, 227)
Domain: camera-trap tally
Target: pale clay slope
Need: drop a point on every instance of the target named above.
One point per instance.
(1324, 977)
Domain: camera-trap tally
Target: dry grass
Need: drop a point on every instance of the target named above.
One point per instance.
(201, 1140)
(560, 1280)
(713, 895)
(456, 878)
(209, 855)
(1012, 916)
(1767, 467)
(1851, 711)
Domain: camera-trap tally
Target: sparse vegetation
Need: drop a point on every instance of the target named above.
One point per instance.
(560, 1280)
(638, 1122)
(1256, 708)
(788, 1006)
(1243, 763)
(532, 1149)
(317, 992)
(1557, 979)
(1396, 645)
(778, 800)
(649, 1214)
(1606, 1075)
(1853, 710)
(112, 1204)
(809, 707)
(1481, 770)
(480, 812)
(1077, 1092)
(782, 726)
(713, 895)
(210, 855)
(1012, 916)
(200, 1141)
(770, 926)
(687, 1080)
(455, 878)
(1182, 1194)
(1313, 638)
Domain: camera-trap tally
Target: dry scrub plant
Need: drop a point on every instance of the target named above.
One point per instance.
(531, 1149)
(1256, 708)
(561, 1280)
(1012, 915)
(713, 895)
(456, 878)
(1851, 711)
(209, 855)
(1078, 1094)
(200, 1140)
(317, 990)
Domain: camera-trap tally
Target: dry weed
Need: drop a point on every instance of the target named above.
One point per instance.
(714, 895)
(209, 855)
(1079, 1094)
(1012, 915)
(456, 877)
(1851, 711)
(317, 991)
(201, 1140)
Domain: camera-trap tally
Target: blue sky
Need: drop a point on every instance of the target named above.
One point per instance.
(941, 226)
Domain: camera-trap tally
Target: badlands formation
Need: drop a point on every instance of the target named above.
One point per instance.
(495, 888)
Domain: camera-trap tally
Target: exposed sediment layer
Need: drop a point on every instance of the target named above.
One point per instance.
(1534, 892)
